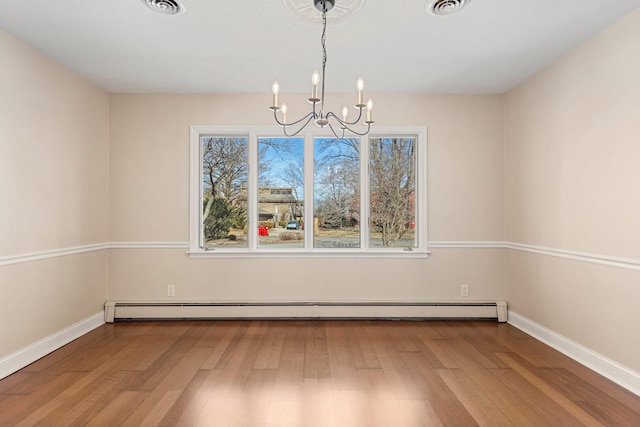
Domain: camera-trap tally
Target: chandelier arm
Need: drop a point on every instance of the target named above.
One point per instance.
(344, 122)
(358, 119)
(309, 116)
(284, 128)
(346, 125)
(334, 132)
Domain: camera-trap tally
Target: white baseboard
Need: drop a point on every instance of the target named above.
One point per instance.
(606, 367)
(27, 355)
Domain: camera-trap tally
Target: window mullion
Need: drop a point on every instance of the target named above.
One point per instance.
(365, 220)
(309, 219)
(252, 192)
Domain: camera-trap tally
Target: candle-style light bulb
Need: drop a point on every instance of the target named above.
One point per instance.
(369, 109)
(345, 111)
(315, 79)
(275, 88)
(284, 113)
(360, 86)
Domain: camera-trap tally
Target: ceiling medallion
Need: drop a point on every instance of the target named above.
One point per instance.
(305, 11)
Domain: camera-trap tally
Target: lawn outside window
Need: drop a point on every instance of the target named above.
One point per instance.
(257, 193)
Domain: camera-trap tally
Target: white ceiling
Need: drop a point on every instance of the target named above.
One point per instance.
(231, 46)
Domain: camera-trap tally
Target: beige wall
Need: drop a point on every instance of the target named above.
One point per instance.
(149, 200)
(572, 174)
(53, 195)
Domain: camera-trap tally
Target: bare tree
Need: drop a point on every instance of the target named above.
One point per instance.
(331, 149)
(224, 174)
(392, 181)
(293, 176)
(337, 167)
(337, 193)
(270, 152)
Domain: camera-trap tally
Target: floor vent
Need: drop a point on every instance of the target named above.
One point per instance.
(119, 310)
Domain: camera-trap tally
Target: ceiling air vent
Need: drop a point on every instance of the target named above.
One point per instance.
(446, 7)
(167, 7)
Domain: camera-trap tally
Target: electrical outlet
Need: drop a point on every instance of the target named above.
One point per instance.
(464, 290)
(171, 291)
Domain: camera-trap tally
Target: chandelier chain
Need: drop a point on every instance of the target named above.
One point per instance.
(323, 41)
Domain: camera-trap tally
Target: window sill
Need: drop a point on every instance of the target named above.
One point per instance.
(216, 253)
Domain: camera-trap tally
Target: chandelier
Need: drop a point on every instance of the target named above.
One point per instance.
(317, 114)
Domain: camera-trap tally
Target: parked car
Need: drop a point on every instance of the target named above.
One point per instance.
(293, 225)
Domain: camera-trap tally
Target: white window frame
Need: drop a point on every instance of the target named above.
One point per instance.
(196, 249)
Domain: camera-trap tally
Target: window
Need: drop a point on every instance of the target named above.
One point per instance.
(255, 193)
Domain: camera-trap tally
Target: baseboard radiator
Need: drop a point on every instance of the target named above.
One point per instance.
(120, 311)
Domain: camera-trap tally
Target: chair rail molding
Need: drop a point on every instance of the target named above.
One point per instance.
(53, 253)
(611, 261)
(630, 264)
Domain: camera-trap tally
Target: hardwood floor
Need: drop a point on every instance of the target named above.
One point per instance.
(311, 373)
